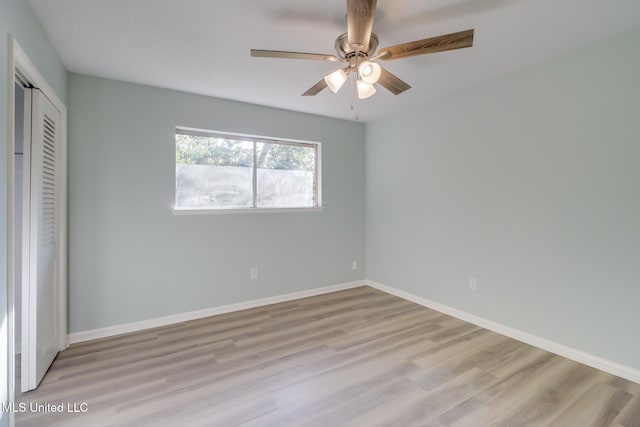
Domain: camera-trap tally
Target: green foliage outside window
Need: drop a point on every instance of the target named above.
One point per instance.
(204, 150)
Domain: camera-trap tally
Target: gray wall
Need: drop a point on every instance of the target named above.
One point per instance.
(17, 19)
(131, 259)
(531, 183)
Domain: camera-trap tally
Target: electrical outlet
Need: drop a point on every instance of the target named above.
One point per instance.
(473, 283)
(254, 273)
(354, 265)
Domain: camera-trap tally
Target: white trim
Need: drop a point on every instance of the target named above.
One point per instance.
(10, 273)
(223, 211)
(20, 61)
(109, 331)
(605, 365)
(29, 70)
(17, 59)
(207, 132)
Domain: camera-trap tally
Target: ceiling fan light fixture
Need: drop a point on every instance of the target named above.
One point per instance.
(335, 80)
(357, 50)
(365, 90)
(369, 72)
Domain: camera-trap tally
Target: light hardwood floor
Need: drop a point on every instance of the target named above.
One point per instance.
(358, 357)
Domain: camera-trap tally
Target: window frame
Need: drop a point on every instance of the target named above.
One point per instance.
(255, 139)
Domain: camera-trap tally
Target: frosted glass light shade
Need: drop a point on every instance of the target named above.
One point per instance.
(369, 72)
(365, 90)
(335, 80)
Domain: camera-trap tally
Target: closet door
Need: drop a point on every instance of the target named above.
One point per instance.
(40, 287)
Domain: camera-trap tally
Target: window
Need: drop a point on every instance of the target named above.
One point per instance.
(219, 171)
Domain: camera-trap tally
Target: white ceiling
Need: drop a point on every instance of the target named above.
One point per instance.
(202, 46)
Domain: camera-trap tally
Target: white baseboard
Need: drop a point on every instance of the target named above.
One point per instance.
(605, 365)
(109, 331)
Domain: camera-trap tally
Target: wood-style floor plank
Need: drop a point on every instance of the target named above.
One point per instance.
(358, 357)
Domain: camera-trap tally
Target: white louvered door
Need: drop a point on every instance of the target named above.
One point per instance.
(40, 288)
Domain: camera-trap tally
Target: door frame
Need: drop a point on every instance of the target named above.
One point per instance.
(20, 63)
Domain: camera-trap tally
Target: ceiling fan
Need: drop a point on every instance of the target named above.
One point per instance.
(357, 48)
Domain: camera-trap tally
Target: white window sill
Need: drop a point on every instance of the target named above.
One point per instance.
(224, 211)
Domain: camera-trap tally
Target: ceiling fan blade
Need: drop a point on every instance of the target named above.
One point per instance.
(392, 83)
(316, 88)
(442, 43)
(259, 53)
(360, 14)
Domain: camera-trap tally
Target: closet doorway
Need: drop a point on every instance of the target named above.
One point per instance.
(37, 277)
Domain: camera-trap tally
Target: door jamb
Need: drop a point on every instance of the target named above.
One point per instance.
(18, 61)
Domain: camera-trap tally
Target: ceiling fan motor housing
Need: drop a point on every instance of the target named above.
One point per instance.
(346, 51)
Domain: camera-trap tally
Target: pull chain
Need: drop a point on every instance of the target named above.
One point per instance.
(353, 95)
